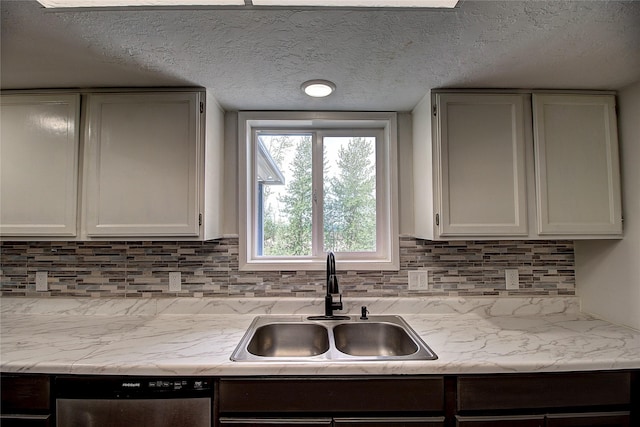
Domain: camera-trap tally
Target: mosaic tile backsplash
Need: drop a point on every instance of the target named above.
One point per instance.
(210, 269)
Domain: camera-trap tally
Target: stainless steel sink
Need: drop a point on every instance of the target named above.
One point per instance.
(300, 339)
(373, 339)
(289, 340)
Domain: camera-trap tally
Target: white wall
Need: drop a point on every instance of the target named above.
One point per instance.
(608, 272)
(405, 173)
(214, 169)
(231, 173)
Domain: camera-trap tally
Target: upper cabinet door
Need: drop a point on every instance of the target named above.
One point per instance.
(39, 165)
(577, 165)
(481, 151)
(142, 154)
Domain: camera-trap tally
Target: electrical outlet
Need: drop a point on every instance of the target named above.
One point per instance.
(419, 280)
(512, 278)
(175, 280)
(42, 281)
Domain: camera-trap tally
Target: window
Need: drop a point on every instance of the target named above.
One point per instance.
(318, 182)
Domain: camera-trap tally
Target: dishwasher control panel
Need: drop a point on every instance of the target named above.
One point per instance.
(131, 387)
(166, 384)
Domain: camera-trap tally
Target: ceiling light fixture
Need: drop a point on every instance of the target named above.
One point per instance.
(318, 88)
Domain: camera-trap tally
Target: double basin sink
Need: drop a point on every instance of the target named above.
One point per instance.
(298, 338)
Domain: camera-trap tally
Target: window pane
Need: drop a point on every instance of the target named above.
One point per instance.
(284, 183)
(349, 194)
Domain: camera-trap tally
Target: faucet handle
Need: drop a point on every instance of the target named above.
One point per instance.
(338, 305)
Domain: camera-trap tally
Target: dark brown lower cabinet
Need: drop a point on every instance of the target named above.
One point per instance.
(332, 395)
(577, 399)
(571, 399)
(332, 401)
(587, 399)
(26, 400)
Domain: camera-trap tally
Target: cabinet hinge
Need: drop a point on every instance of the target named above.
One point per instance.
(435, 111)
(201, 107)
(200, 219)
(437, 219)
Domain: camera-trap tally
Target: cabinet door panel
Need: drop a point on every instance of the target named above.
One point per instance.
(141, 160)
(539, 391)
(577, 165)
(482, 164)
(39, 165)
(598, 419)
(25, 394)
(331, 395)
(501, 421)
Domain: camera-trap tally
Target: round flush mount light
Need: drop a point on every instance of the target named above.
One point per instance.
(318, 88)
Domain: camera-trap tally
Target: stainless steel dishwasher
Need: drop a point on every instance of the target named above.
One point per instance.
(101, 401)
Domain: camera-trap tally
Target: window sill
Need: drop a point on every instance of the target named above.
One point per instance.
(319, 264)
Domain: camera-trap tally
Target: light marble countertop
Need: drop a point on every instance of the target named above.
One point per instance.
(189, 336)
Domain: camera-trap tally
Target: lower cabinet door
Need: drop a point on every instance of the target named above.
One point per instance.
(594, 419)
(501, 421)
(390, 422)
(275, 422)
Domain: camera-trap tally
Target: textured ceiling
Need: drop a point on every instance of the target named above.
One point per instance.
(380, 59)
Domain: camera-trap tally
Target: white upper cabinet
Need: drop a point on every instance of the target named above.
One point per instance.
(148, 164)
(481, 165)
(577, 165)
(516, 166)
(142, 164)
(39, 165)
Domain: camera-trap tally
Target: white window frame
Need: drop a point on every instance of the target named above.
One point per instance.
(323, 123)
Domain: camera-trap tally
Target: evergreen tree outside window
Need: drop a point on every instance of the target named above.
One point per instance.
(319, 187)
(349, 194)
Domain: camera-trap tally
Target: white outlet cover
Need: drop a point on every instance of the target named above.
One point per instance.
(512, 278)
(419, 280)
(175, 281)
(42, 281)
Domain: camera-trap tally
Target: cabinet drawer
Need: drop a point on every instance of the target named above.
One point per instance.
(25, 394)
(299, 395)
(543, 391)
